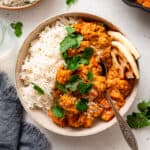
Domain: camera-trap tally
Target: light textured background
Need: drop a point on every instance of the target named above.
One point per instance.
(135, 23)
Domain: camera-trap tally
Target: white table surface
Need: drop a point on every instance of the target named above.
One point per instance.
(135, 23)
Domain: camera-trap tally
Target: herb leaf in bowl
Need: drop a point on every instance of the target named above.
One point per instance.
(39, 90)
(84, 87)
(70, 41)
(90, 76)
(82, 105)
(70, 30)
(58, 111)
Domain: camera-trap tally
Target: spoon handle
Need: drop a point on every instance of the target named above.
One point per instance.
(125, 129)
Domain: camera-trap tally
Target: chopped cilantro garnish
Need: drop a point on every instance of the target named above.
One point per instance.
(70, 42)
(84, 87)
(144, 106)
(82, 105)
(74, 78)
(73, 63)
(73, 83)
(142, 118)
(39, 90)
(138, 120)
(17, 28)
(58, 111)
(70, 2)
(61, 87)
(73, 40)
(87, 53)
(90, 76)
(70, 29)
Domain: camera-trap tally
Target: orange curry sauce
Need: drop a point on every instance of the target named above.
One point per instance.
(95, 36)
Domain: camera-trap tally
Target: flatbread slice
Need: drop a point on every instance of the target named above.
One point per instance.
(122, 39)
(128, 56)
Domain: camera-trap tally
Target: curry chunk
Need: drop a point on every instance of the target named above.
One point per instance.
(108, 114)
(94, 33)
(68, 102)
(63, 75)
(100, 83)
(59, 121)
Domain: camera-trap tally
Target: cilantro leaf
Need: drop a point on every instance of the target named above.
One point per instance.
(73, 82)
(17, 28)
(70, 30)
(86, 55)
(70, 2)
(82, 105)
(90, 76)
(61, 87)
(58, 111)
(70, 42)
(73, 63)
(144, 106)
(88, 52)
(73, 86)
(142, 118)
(84, 87)
(137, 120)
(39, 90)
(74, 78)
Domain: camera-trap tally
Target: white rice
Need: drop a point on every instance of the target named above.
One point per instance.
(40, 66)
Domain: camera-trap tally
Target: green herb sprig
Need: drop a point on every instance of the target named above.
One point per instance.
(72, 40)
(17, 28)
(82, 105)
(58, 111)
(73, 63)
(142, 118)
(70, 2)
(90, 76)
(75, 84)
(39, 90)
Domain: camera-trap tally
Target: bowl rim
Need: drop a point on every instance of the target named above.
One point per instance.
(135, 4)
(66, 132)
(20, 7)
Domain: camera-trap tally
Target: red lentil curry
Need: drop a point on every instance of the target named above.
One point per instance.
(80, 84)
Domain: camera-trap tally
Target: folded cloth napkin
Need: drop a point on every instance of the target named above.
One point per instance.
(15, 134)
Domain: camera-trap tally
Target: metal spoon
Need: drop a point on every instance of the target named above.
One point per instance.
(125, 129)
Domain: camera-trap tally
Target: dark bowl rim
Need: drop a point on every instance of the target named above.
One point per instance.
(134, 4)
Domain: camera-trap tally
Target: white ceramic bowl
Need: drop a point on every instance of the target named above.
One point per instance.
(39, 116)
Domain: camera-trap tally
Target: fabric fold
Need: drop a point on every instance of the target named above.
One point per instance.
(14, 134)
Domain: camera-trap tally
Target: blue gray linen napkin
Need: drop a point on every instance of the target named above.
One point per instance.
(15, 134)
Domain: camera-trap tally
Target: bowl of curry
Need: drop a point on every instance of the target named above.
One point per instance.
(61, 78)
(142, 4)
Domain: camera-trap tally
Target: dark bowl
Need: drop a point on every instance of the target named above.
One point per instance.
(133, 3)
